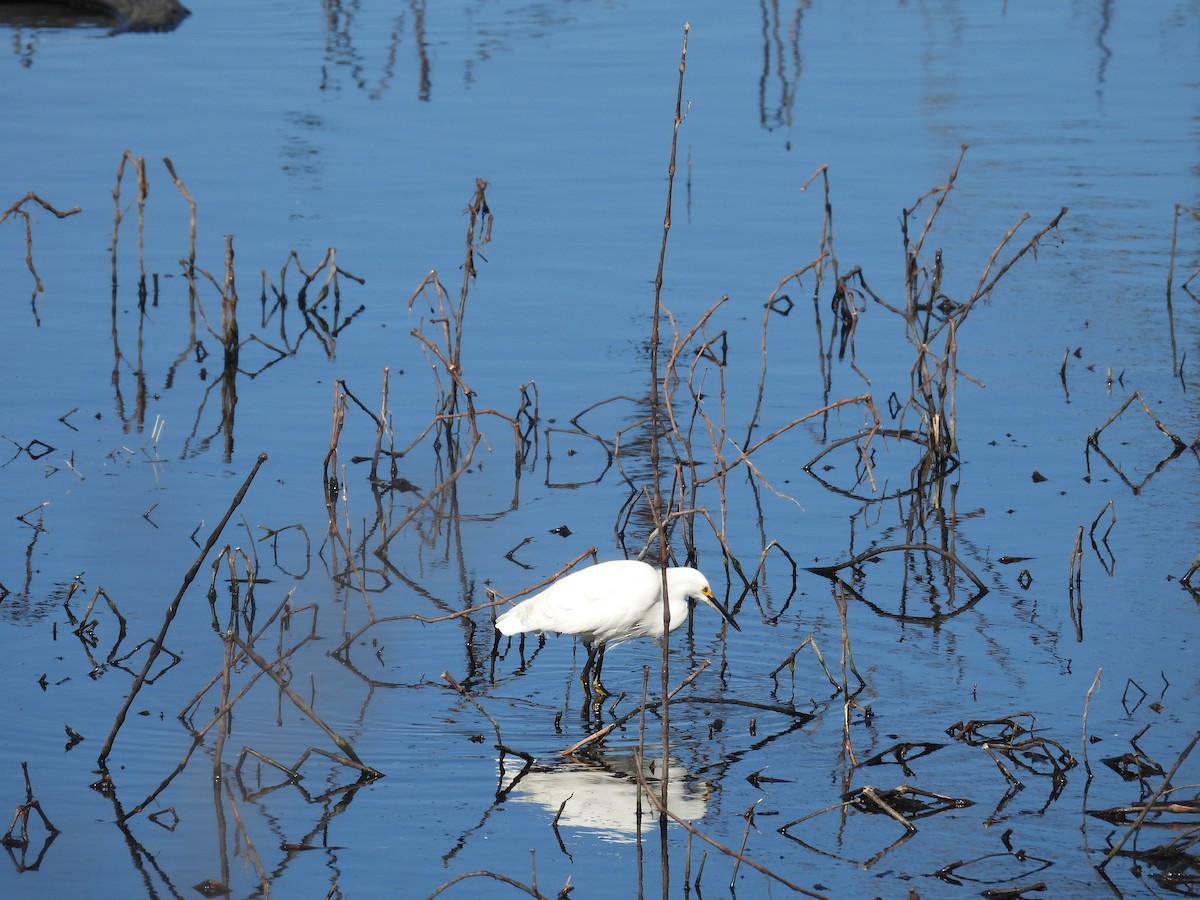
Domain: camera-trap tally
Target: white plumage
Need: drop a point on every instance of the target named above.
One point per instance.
(610, 603)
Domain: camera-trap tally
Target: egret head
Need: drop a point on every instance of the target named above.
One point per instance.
(704, 594)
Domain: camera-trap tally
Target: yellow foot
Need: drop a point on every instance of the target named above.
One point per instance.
(593, 688)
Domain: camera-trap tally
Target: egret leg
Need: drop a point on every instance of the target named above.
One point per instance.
(595, 662)
(601, 693)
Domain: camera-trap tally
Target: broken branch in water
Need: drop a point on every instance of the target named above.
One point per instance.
(17, 209)
(172, 609)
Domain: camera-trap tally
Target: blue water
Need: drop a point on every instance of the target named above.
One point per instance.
(363, 128)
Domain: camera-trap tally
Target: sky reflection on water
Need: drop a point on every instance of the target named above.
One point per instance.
(363, 128)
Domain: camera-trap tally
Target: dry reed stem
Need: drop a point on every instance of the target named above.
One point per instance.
(227, 291)
(876, 427)
(847, 666)
(157, 647)
(934, 377)
(179, 185)
(638, 755)
(380, 428)
(228, 648)
(471, 417)
(912, 251)
(825, 244)
(343, 539)
(442, 487)
(139, 166)
(1008, 776)
(446, 357)
(452, 367)
(451, 320)
(479, 214)
(442, 319)
(1177, 807)
(1031, 244)
(844, 306)
(18, 209)
(679, 345)
(717, 436)
(656, 497)
(1075, 584)
(748, 815)
(331, 485)
(1087, 704)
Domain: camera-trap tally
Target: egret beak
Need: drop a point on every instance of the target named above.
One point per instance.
(708, 598)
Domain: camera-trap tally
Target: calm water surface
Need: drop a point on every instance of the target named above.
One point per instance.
(362, 127)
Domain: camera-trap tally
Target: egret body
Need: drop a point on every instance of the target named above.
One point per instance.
(610, 603)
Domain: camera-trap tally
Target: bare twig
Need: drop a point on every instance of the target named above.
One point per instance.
(157, 647)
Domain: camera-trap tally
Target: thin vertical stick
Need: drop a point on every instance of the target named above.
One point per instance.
(843, 609)
(1171, 279)
(1087, 703)
(1075, 584)
(383, 417)
(191, 212)
(655, 414)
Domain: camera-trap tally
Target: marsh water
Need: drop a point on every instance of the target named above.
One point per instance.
(296, 691)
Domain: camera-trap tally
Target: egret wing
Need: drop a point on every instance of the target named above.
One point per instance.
(600, 602)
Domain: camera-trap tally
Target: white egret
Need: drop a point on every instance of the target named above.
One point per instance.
(610, 603)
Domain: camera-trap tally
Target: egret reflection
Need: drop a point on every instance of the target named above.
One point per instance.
(600, 794)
